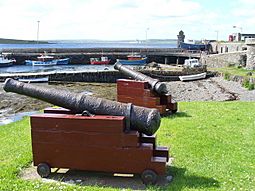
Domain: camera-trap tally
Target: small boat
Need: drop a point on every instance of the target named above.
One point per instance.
(190, 46)
(5, 62)
(193, 77)
(135, 57)
(100, 61)
(34, 80)
(192, 63)
(141, 61)
(46, 60)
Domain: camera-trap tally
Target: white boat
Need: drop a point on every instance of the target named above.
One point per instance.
(4, 62)
(34, 80)
(193, 77)
(192, 63)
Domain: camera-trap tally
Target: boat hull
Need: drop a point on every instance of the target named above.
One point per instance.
(6, 64)
(193, 77)
(41, 63)
(100, 62)
(133, 62)
(64, 61)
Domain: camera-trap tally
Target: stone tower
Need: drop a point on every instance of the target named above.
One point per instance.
(250, 63)
(180, 38)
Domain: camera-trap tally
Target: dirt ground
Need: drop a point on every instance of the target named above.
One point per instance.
(211, 89)
(12, 103)
(76, 177)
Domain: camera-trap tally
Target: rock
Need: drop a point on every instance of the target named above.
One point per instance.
(169, 178)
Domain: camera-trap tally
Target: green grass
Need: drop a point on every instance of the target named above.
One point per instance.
(212, 143)
(234, 71)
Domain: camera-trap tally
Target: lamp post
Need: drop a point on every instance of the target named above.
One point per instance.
(146, 34)
(241, 29)
(217, 35)
(38, 27)
(217, 40)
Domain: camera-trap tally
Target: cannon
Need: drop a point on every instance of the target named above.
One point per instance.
(155, 84)
(142, 119)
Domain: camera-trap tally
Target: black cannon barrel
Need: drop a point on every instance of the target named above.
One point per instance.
(155, 84)
(142, 119)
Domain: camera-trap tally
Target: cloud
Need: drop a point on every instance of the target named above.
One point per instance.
(118, 19)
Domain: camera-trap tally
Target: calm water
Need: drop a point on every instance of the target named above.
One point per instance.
(90, 44)
(78, 44)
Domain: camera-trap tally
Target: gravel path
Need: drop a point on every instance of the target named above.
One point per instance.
(211, 89)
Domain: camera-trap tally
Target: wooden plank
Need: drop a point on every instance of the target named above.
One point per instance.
(132, 84)
(148, 139)
(134, 92)
(83, 139)
(64, 122)
(140, 101)
(107, 159)
(161, 152)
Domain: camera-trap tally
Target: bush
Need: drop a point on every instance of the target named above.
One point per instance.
(226, 76)
(246, 82)
(251, 86)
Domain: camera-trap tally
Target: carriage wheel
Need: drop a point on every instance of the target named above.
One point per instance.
(149, 177)
(43, 170)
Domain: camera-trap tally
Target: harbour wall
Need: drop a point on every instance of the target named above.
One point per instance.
(83, 55)
(105, 76)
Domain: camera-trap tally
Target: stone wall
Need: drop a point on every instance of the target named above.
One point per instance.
(250, 65)
(225, 47)
(224, 60)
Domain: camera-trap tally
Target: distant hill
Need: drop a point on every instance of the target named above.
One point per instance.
(15, 41)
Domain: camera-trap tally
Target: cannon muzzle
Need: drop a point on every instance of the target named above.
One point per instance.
(155, 84)
(142, 119)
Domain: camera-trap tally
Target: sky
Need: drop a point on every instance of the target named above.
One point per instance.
(125, 19)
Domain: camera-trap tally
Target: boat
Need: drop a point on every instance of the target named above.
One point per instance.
(46, 60)
(192, 63)
(100, 61)
(191, 46)
(135, 57)
(141, 61)
(193, 77)
(5, 62)
(34, 80)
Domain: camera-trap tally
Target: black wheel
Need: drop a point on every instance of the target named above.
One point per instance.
(149, 177)
(43, 170)
(174, 111)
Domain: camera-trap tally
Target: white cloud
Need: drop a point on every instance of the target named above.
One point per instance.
(111, 19)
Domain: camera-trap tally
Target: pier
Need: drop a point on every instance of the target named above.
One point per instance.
(83, 55)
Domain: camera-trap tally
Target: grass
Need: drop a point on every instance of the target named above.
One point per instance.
(234, 71)
(212, 143)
